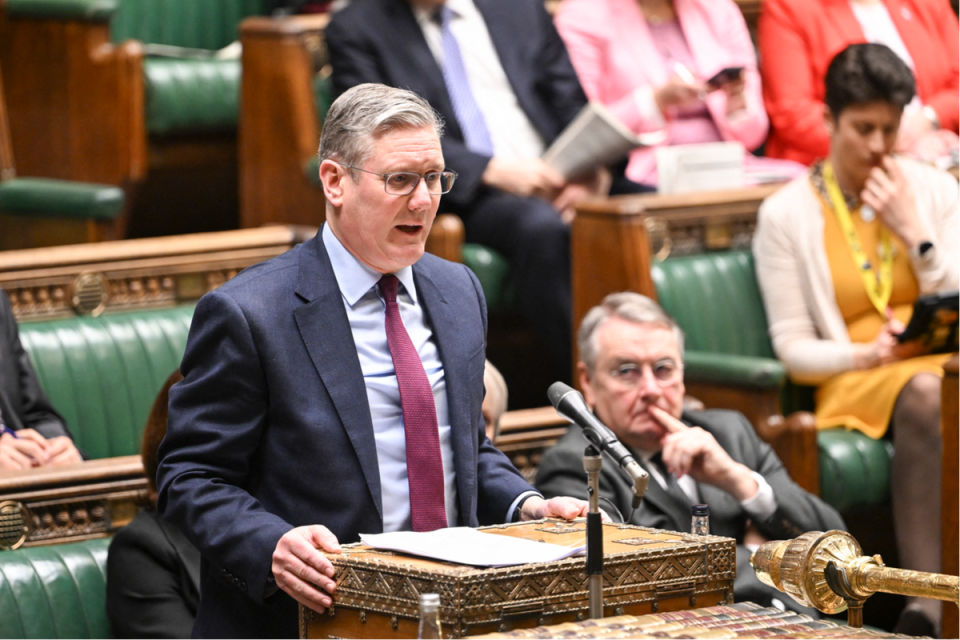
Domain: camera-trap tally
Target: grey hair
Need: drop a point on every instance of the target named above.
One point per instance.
(626, 305)
(365, 112)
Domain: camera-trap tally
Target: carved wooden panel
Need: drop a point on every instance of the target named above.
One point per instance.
(378, 593)
(134, 274)
(75, 502)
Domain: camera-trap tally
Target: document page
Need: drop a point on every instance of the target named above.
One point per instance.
(464, 545)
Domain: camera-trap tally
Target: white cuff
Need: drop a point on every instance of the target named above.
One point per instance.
(763, 504)
(516, 504)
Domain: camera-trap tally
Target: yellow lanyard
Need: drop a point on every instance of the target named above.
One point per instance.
(879, 286)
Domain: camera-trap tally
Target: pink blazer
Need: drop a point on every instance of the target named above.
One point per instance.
(619, 66)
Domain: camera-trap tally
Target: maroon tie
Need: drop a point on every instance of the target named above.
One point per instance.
(424, 464)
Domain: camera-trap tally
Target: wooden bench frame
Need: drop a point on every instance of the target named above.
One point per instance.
(93, 499)
(75, 104)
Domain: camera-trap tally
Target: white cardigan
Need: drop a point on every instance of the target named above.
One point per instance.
(806, 327)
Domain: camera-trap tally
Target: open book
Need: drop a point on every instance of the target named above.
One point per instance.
(595, 139)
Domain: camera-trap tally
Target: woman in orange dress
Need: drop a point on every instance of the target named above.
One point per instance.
(841, 255)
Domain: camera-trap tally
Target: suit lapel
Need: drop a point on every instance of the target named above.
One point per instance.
(635, 34)
(326, 333)
(672, 502)
(499, 21)
(425, 75)
(443, 321)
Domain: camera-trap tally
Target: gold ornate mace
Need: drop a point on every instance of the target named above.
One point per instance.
(828, 572)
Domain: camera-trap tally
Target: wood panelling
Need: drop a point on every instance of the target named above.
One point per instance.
(279, 127)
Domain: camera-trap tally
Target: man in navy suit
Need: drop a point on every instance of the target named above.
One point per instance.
(506, 61)
(291, 431)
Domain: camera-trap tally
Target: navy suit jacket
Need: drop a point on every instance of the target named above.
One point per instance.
(271, 429)
(381, 41)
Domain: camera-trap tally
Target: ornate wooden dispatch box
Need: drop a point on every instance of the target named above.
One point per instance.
(645, 571)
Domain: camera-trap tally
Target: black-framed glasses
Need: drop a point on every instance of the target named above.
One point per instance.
(402, 183)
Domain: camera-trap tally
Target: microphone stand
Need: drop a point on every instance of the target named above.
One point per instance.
(592, 463)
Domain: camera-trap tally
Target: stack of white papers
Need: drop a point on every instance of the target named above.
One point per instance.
(464, 545)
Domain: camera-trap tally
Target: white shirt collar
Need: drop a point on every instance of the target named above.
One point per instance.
(354, 278)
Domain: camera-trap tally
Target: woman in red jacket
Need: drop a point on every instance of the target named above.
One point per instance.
(799, 38)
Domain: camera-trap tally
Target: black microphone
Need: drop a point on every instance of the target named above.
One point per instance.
(570, 404)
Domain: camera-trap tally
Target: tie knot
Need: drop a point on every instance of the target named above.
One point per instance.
(443, 15)
(388, 287)
(657, 460)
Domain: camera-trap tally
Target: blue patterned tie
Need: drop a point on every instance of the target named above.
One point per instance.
(474, 127)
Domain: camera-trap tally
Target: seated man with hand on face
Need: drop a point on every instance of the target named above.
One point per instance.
(32, 433)
(631, 373)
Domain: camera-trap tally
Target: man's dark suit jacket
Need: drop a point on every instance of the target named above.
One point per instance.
(271, 428)
(23, 404)
(381, 41)
(561, 473)
(153, 580)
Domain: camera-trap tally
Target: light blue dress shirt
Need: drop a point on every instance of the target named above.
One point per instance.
(366, 312)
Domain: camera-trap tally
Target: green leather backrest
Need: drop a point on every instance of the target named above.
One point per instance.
(492, 271)
(201, 24)
(57, 591)
(102, 374)
(191, 94)
(715, 299)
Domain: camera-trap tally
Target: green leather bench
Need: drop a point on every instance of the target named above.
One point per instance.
(102, 374)
(715, 299)
(55, 592)
(187, 88)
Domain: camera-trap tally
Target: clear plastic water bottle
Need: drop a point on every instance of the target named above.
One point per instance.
(429, 616)
(700, 519)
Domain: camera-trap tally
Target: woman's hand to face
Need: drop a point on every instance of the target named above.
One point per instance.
(890, 195)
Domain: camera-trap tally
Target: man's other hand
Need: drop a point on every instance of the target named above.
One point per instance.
(302, 571)
(694, 451)
(24, 450)
(535, 508)
(61, 450)
(526, 177)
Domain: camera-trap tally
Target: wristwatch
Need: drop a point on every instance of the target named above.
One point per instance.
(517, 512)
(923, 249)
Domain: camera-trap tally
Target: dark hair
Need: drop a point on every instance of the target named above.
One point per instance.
(155, 430)
(864, 73)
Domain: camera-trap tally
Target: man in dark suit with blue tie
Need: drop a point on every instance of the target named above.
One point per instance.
(499, 74)
(631, 373)
(337, 389)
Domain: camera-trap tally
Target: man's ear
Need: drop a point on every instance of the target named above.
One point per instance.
(586, 384)
(332, 176)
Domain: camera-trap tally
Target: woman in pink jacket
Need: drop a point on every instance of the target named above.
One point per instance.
(647, 61)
